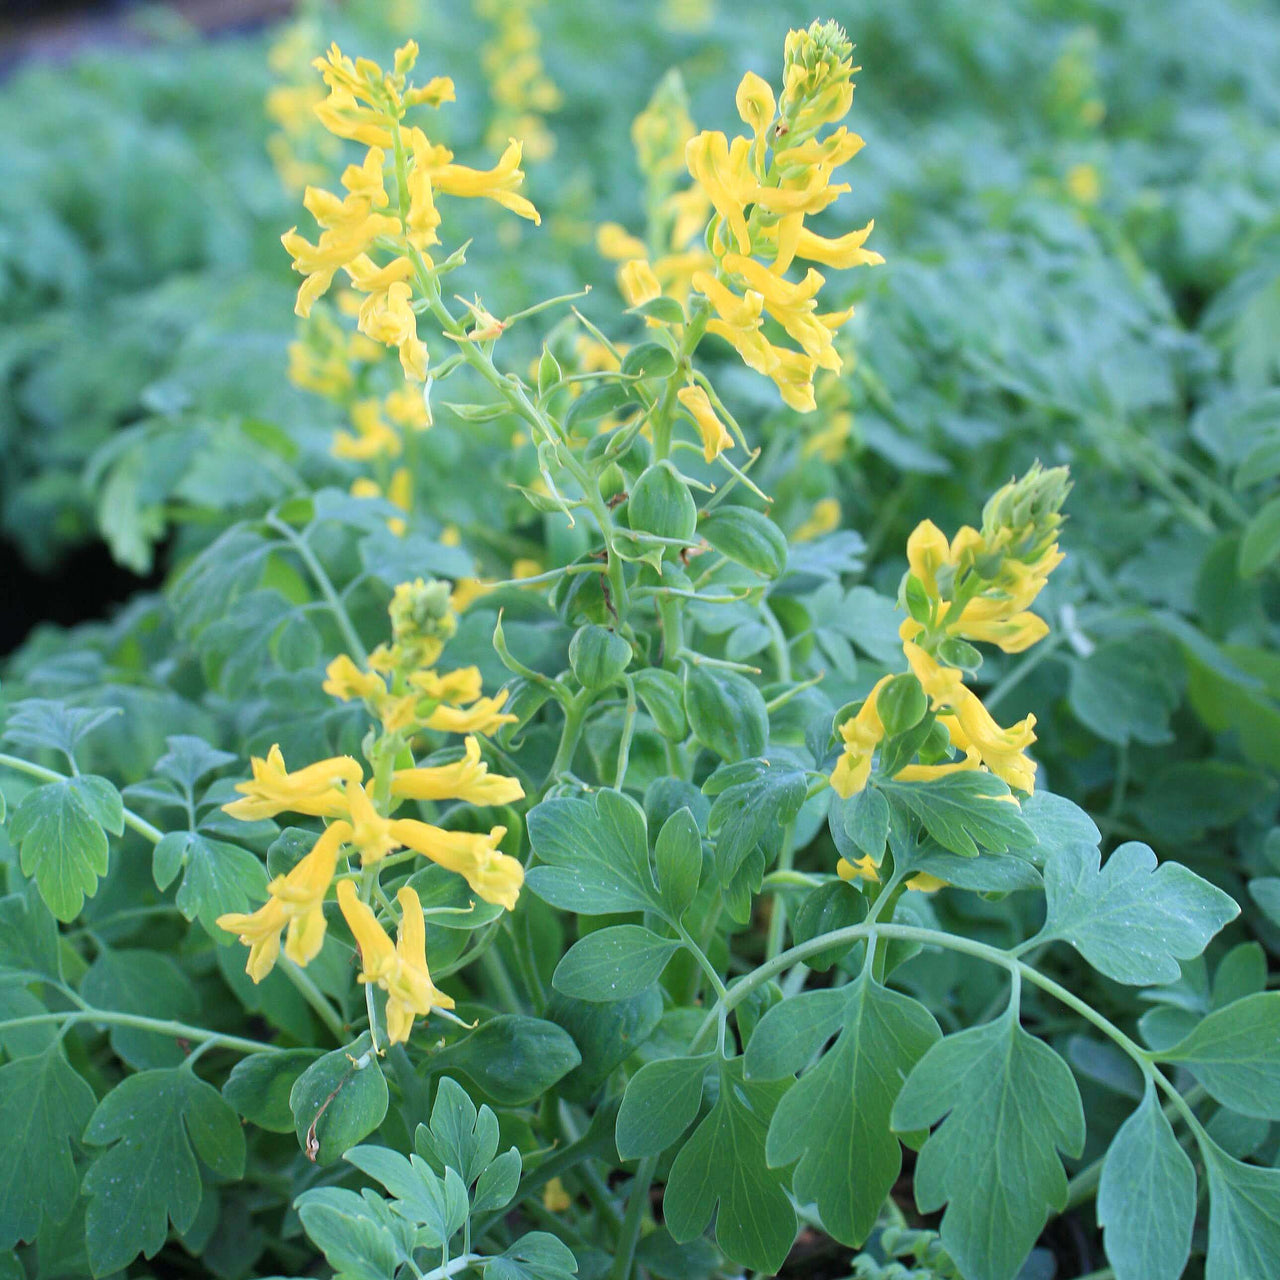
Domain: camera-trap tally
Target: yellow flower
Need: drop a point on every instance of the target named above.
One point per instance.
(315, 790)
(824, 518)
(555, 1199)
(455, 687)
(296, 902)
(862, 734)
(400, 970)
(715, 435)
(371, 833)
(388, 317)
(724, 172)
(498, 183)
(345, 680)
(495, 876)
(866, 869)
(1084, 183)
(485, 716)
(1002, 750)
(468, 779)
(637, 283)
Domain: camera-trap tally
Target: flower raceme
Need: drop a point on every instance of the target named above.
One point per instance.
(976, 587)
(762, 188)
(402, 688)
(368, 105)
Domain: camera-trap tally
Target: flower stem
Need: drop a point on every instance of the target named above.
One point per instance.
(163, 1027)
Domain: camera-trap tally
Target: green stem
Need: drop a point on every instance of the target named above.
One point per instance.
(779, 647)
(163, 1027)
(637, 1203)
(326, 588)
(1023, 669)
(965, 946)
(574, 712)
(131, 819)
(316, 998)
(496, 972)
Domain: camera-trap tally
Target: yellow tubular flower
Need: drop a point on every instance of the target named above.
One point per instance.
(296, 902)
(495, 876)
(637, 283)
(498, 183)
(343, 679)
(370, 831)
(866, 869)
(400, 970)
(715, 435)
(1002, 750)
(723, 171)
(468, 779)
(456, 687)
(485, 716)
(315, 790)
(824, 519)
(862, 734)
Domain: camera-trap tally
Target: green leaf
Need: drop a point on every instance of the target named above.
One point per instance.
(663, 309)
(1235, 1054)
(1244, 1207)
(1132, 920)
(1147, 1197)
(724, 1163)
(860, 825)
(677, 854)
(217, 878)
(1057, 824)
(460, 1136)
(188, 759)
(29, 934)
(148, 1176)
(663, 697)
(536, 1256)
(358, 1241)
(44, 1107)
(747, 538)
(1007, 1103)
(259, 1086)
(596, 855)
(831, 906)
(512, 1058)
(1127, 689)
(1192, 796)
(606, 1035)
(726, 713)
(660, 1103)
(145, 982)
(1260, 543)
(765, 800)
(60, 830)
(613, 963)
(649, 360)
(36, 723)
(440, 1205)
(336, 1102)
(964, 812)
(835, 1119)
(991, 873)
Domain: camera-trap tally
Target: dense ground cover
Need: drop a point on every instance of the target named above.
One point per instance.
(670, 612)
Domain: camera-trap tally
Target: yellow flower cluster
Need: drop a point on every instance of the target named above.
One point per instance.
(400, 684)
(676, 217)
(368, 105)
(522, 92)
(978, 586)
(762, 188)
(360, 817)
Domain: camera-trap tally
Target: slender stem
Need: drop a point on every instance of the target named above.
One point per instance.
(163, 1027)
(624, 742)
(131, 819)
(574, 711)
(316, 998)
(778, 912)
(496, 972)
(451, 1268)
(722, 992)
(779, 646)
(325, 585)
(637, 1203)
